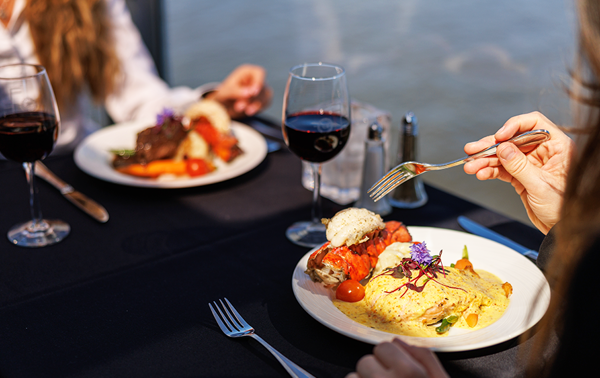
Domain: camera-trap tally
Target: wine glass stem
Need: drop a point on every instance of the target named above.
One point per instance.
(316, 200)
(34, 205)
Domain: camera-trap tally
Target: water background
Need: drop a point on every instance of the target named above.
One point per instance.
(463, 67)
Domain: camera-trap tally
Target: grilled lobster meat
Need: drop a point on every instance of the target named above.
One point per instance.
(333, 265)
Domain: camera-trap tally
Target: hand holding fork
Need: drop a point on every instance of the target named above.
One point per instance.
(412, 169)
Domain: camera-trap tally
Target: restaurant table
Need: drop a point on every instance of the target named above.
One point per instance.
(129, 298)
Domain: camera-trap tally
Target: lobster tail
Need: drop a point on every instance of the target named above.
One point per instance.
(333, 265)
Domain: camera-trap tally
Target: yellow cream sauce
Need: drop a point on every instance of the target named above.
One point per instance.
(402, 314)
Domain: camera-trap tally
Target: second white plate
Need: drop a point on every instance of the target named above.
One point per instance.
(93, 156)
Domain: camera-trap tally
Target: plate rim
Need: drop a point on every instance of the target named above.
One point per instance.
(246, 135)
(372, 336)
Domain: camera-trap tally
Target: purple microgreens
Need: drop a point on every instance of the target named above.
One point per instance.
(408, 265)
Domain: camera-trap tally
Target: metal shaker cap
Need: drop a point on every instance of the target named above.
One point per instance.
(411, 125)
(375, 131)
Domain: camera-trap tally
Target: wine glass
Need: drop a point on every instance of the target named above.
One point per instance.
(316, 127)
(29, 124)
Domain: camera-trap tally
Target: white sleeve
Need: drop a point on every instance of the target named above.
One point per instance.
(142, 93)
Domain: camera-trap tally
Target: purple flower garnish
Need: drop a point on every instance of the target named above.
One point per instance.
(164, 115)
(420, 253)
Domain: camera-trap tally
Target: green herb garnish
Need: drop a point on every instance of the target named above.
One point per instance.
(125, 153)
(446, 324)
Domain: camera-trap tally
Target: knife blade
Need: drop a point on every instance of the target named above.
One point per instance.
(480, 230)
(80, 200)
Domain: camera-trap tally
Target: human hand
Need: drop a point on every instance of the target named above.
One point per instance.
(244, 92)
(398, 359)
(538, 173)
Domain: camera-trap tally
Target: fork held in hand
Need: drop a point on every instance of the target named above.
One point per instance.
(411, 169)
(233, 325)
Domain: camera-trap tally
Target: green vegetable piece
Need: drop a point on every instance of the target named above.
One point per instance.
(444, 327)
(123, 153)
(446, 323)
(465, 254)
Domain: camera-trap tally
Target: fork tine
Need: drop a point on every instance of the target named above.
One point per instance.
(384, 178)
(384, 182)
(401, 180)
(218, 319)
(237, 315)
(393, 186)
(389, 184)
(234, 323)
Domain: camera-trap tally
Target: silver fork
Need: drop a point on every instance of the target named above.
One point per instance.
(233, 325)
(411, 169)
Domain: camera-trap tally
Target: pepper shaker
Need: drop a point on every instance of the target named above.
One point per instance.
(373, 169)
(412, 193)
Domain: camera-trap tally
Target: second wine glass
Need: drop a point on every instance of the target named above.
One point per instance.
(316, 127)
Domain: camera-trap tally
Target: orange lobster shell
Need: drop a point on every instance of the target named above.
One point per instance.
(333, 265)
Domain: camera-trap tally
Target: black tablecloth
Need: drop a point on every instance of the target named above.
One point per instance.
(129, 298)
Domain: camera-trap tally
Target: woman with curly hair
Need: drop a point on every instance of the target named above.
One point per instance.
(92, 51)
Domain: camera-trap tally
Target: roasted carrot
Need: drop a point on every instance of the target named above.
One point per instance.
(155, 168)
(464, 263)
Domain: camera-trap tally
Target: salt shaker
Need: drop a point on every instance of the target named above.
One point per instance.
(373, 169)
(410, 194)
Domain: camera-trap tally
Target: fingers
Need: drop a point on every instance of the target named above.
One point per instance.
(522, 123)
(390, 360)
(487, 169)
(246, 81)
(244, 91)
(427, 359)
(370, 366)
(253, 105)
(514, 126)
(398, 359)
(517, 165)
(481, 144)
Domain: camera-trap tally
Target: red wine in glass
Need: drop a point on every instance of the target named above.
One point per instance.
(316, 127)
(315, 136)
(28, 136)
(29, 127)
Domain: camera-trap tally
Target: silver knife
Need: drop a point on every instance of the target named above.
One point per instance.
(477, 229)
(86, 204)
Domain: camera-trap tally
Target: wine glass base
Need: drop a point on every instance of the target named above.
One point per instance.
(44, 233)
(307, 234)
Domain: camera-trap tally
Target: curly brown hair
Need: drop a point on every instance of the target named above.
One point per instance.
(74, 41)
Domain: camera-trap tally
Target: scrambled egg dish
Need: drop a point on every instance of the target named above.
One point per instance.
(470, 299)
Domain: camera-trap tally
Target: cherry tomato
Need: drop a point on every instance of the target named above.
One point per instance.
(197, 167)
(350, 291)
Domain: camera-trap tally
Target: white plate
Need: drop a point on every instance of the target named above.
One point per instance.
(93, 156)
(530, 299)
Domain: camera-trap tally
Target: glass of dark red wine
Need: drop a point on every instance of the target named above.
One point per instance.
(29, 124)
(316, 127)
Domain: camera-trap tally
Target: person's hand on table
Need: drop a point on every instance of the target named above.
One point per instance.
(398, 359)
(244, 92)
(538, 174)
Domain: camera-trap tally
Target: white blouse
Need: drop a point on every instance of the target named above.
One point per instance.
(143, 93)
